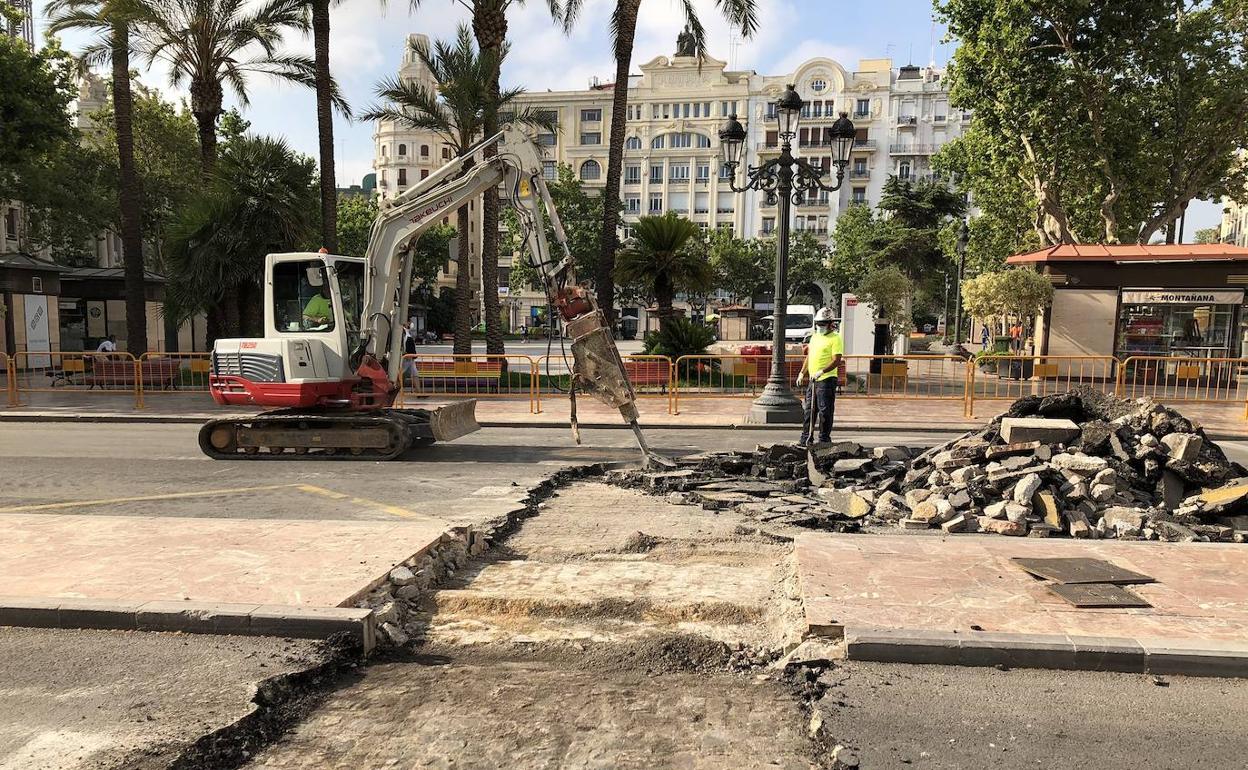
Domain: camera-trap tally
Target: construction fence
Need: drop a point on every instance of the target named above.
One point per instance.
(686, 378)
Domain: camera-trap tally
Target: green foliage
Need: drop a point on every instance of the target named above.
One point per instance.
(34, 103)
(679, 337)
(889, 290)
(259, 199)
(1095, 121)
(71, 200)
(666, 254)
(1020, 292)
(432, 253)
(1208, 235)
(356, 214)
(852, 250)
(740, 265)
(581, 216)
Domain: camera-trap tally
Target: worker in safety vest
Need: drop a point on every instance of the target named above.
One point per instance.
(820, 368)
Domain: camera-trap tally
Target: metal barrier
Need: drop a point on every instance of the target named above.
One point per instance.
(449, 375)
(1009, 377)
(171, 373)
(730, 375)
(10, 379)
(1205, 380)
(113, 374)
(650, 375)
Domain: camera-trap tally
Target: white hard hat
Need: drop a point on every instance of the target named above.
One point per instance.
(824, 315)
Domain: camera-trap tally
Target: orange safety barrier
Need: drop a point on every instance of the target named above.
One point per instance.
(650, 375)
(899, 377)
(448, 375)
(10, 379)
(1010, 377)
(1205, 380)
(114, 374)
(165, 373)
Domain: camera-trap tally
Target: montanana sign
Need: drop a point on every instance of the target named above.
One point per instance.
(1182, 296)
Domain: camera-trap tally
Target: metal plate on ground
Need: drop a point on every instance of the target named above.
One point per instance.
(1081, 571)
(1098, 595)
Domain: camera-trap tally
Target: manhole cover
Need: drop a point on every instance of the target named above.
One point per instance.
(1081, 571)
(1098, 595)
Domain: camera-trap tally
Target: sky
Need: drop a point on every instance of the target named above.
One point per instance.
(368, 36)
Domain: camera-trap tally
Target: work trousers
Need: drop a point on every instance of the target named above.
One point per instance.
(820, 409)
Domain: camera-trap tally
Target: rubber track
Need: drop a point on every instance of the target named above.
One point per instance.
(405, 422)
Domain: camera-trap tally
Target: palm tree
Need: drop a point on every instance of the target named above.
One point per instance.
(740, 13)
(112, 27)
(212, 43)
(663, 254)
(489, 26)
(259, 199)
(456, 113)
(325, 90)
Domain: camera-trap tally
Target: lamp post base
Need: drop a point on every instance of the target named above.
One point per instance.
(775, 406)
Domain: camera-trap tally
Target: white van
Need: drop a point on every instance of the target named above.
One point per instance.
(799, 322)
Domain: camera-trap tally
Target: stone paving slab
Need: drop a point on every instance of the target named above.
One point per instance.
(960, 600)
(124, 559)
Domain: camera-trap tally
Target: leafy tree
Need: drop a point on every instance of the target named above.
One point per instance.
(1110, 115)
(260, 198)
(680, 337)
(808, 262)
(1208, 235)
(356, 214)
(889, 289)
(69, 202)
(210, 44)
(455, 113)
(1018, 292)
(663, 254)
(852, 250)
(35, 105)
(739, 13)
(580, 213)
(740, 265)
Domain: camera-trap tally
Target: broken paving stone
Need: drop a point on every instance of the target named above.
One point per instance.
(387, 613)
(1173, 532)
(402, 576)
(1078, 462)
(916, 496)
(1003, 527)
(996, 510)
(836, 450)
(1123, 521)
(1183, 446)
(1225, 499)
(891, 506)
(1017, 462)
(957, 523)
(845, 502)
(894, 453)
(1011, 450)
(851, 465)
(408, 593)
(1102, 493)
(1016, 512)
(394, 634)
(1018, 430)
(1026, 488)
(965, 475)
(948, 460)
(1045, 505)
(960, 499)
(1170, 490)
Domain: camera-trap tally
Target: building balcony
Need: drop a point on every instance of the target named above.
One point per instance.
(862, 115)
(912, 149)
(678, 182)
(907, 120)
(856, 174)
(701, 211)
(632, 181)
(725, 211)
(864, 145)
(679, 211)
(813, 203)
(811, 230)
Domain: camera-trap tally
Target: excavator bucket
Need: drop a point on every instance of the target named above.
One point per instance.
(453, 420)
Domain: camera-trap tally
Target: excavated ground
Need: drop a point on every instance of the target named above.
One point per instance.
(612, 630)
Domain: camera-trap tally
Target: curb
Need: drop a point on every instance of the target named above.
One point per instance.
(192, 617)
(1048, 651)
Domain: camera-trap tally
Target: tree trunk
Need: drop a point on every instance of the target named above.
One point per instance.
(206, 123)
(251, 310)
(664, 293)
(489, 25)
(231, 324)
(325, 126)
(463, 287)
(604, 281)
(129, 197)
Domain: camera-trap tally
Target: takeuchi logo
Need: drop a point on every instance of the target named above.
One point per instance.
(430, 210)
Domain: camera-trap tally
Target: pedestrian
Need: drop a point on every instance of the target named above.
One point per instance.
(524, 332)
(821, 367)
(983, 338)
(409, 349)
(107, 346)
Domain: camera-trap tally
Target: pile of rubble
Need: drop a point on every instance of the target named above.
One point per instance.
(1079, 464)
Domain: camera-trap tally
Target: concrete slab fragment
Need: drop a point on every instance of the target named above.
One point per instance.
(1020, 430)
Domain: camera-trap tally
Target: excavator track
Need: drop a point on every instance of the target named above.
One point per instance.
(291, 434)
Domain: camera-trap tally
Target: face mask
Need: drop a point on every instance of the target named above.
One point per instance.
(823, 329)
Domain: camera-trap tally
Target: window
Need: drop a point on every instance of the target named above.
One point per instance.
(704, 172)
(860, 166)
(402, 149)
(703, 141)
(632, 143)
(402, 177)
(446, 153)
(632, 204)
(667, 110)
(679, 172)
(860, 195)
(818, 85)
(657, 142)
(424, 173)
(656, 173)
(590, 170)
(725, 173)
(654, 111)
(632, 175)
(726, 109)
(697, 109)
(302, 300)
(685, 113)
(706, 109)
(591, 116)
(903, 170)
(424, 151)
(546, 140)
(550, 169)
(591, 137)
(656, 203)
(682, 140)
(771, 110)
(863, 108)
(36, 284)
(383, 150)
(769, 225)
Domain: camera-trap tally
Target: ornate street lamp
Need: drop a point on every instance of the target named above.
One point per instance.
(785, 180)
(963, 236)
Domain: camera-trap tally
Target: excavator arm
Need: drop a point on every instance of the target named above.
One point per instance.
(598, 368)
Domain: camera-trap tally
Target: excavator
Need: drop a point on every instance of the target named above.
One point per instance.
(331, 359)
